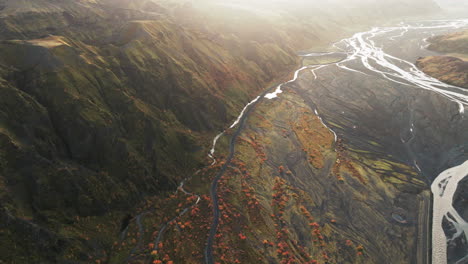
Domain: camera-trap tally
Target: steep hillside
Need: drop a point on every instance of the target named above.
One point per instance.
(450, 43)
(106, 106)
(91, 125)
(452, 67)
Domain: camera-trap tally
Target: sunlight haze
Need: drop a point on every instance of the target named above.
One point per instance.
(233, 131)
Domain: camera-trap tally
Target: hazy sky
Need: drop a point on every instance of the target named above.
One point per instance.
(452, 3)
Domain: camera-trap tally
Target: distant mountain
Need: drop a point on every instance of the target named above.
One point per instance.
(339, 9)
(450, 43)
(454, 6)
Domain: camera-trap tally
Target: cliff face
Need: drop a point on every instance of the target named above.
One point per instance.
(104, 104)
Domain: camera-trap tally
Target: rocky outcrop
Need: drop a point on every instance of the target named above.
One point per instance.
(448, 69)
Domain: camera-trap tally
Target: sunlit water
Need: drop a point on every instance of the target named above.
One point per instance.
(443, 188)
(362, 47)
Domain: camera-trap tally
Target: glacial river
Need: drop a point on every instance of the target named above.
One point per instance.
(363, 48)
(366, 57)
(443, 188)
